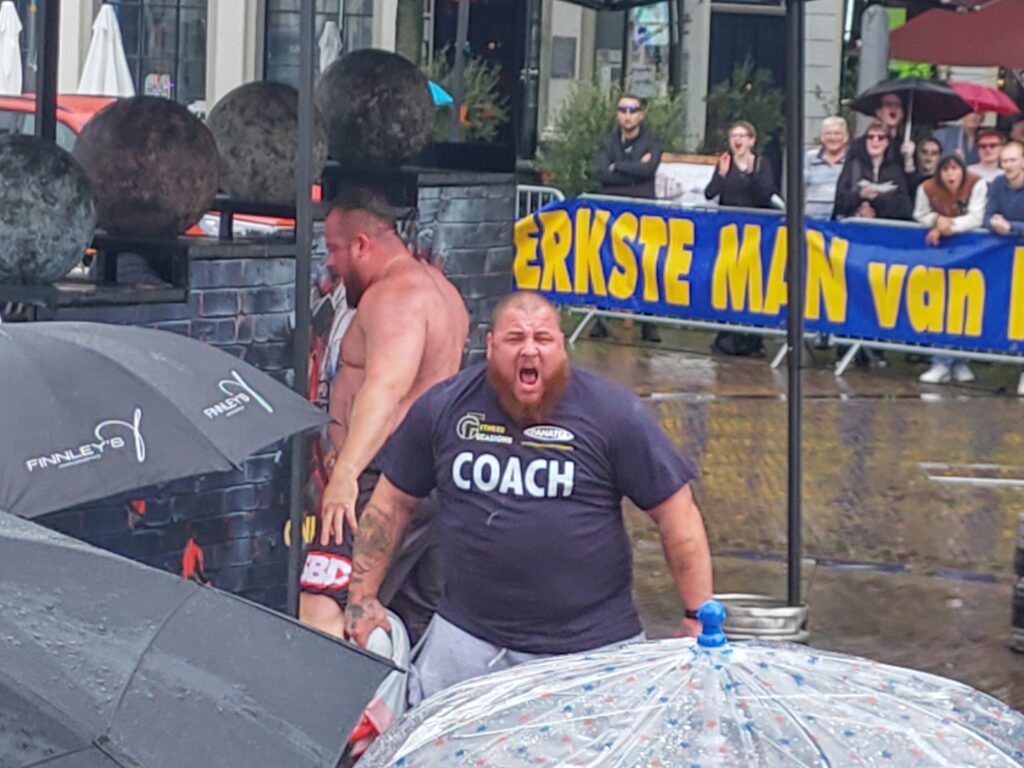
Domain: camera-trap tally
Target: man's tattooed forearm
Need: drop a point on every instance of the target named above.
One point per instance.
(376, 540)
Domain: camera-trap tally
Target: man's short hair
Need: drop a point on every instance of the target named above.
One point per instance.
(520, 297)
(930, 140)
(987, 132)
(836, 121)
(358, 197)
(632, 96)
(1019, 146)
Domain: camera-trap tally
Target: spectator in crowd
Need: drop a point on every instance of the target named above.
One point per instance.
(961, 138)
(928, 153)
(990, 141)
(891, 115)
(822, 167)
(1017, 130)
(1004, 212)
(742, 179)
(875, 186)
(952, 202)
(625, 164)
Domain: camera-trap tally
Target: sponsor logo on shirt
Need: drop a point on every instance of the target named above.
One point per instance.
(547, 433)
(538, 479)
(324, 570)
(473, 427)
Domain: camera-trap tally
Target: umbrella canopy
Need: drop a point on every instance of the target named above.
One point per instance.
(10, 50)
(988, 37)
(91, 410)
(440, 96)
(329, 44)
(106, 70)
(105, 662)
(705, 703)
(927, 101)
(982, 98)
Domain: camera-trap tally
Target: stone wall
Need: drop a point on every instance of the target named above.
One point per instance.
(228, 528)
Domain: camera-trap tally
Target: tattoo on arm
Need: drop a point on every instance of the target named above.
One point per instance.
(379, 532)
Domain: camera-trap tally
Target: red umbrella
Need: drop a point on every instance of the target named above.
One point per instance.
(988, 37)
(982, 98)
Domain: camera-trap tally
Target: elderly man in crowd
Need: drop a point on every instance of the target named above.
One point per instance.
(530, 458)
(822, 167)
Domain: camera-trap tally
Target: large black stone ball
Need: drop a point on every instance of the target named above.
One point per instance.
(377, 107)
(256, 127)
(153, 166)
(47, 216)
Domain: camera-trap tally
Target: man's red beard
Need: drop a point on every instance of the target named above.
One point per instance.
(527, 414)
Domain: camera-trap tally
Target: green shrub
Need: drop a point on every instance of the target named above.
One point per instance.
(747, 95)
(486, 110)
(587, 116)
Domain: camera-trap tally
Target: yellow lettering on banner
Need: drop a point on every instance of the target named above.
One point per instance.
(653, 237)
(590, 233)
(622, 281)
(555, 244)
(926, 298)
(966, 298)
(826, 277)
(1015, 322)
(886, 291)
(525, 267)
(776, 293)
(678, 261)
(737, 272)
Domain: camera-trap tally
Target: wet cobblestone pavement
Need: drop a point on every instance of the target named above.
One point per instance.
(910, 501)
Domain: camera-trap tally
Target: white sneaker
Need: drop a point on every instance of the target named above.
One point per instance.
(937, 374)
(962, 373)
(1020, 386)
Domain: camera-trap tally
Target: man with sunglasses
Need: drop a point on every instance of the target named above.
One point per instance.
(625, 164)
(990, 141)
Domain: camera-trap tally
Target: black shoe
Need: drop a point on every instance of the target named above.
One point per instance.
(649, 332)
(599, 331)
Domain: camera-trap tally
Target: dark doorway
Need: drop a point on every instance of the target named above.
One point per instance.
(497, 34)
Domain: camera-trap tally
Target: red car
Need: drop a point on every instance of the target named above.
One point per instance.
(18, 115)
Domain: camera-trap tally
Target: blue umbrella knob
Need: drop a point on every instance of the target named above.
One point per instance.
(711, 615)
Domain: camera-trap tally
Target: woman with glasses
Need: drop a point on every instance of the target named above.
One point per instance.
(927, 161)
(873, 186)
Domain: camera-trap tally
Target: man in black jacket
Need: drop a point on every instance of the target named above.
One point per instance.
(625, 164)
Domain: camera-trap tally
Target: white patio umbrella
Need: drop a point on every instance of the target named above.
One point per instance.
(106, 70)
(330, 45)
(10, 50)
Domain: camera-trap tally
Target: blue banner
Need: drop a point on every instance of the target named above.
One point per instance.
(866, 281)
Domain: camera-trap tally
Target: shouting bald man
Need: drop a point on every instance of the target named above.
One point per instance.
(407, 335)
(530, 458)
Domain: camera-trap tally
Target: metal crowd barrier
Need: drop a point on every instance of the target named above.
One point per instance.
(530, 198)
(856, 344)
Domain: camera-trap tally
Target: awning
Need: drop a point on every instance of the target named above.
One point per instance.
(988, 37)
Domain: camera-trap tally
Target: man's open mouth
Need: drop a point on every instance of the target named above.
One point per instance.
(528, 375)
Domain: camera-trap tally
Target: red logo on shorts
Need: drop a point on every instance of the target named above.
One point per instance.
(324, 570)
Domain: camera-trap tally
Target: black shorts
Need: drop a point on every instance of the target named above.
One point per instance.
(413, 585)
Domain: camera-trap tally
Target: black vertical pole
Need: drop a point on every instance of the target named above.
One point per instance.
(459, 68)
(796, 246)
(303, 246)
(47, 46)
(624, 69)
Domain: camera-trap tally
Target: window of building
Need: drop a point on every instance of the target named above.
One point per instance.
(281, 58)
(647, 57)
(563, 57)
(165, 44)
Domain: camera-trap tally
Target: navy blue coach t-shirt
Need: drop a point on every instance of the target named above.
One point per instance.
(535, 553)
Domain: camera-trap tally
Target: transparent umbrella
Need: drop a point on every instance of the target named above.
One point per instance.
(705, 702)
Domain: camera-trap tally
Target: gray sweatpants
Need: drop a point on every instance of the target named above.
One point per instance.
(447, 655)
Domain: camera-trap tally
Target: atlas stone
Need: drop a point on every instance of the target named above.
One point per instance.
(256, 127)
(377, 107)
(153, 166)
(47, 215)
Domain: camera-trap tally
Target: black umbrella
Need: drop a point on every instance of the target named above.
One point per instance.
(106, 662)
(90, 410)
(928, 101)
